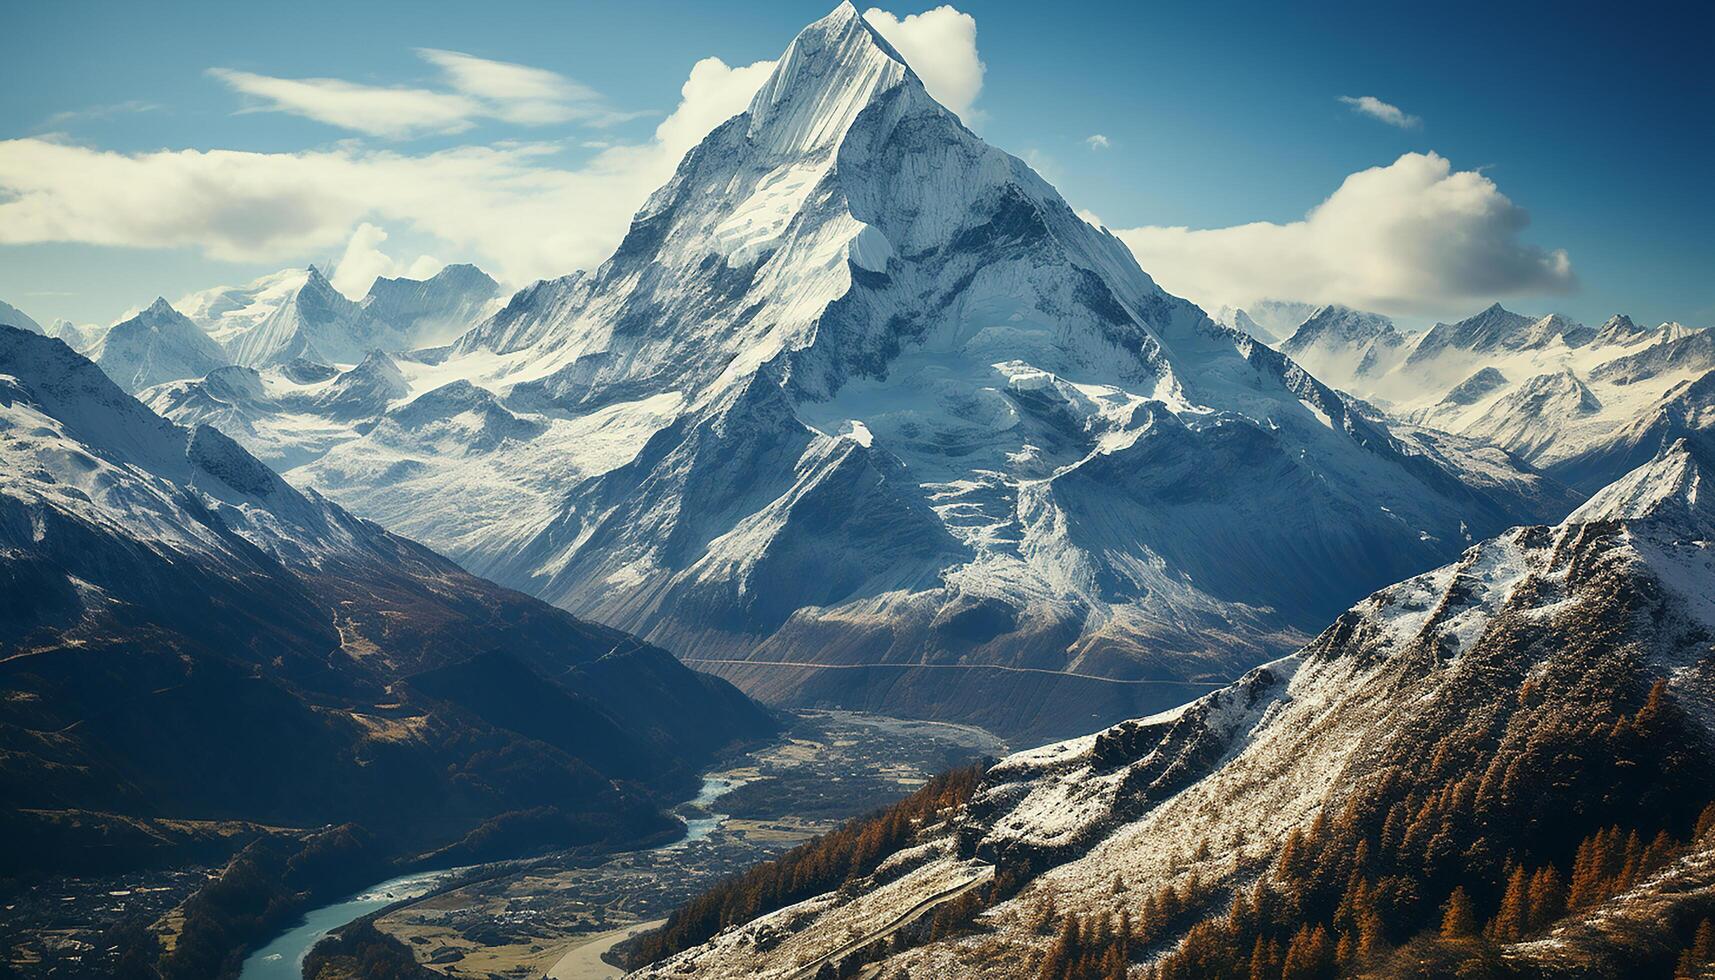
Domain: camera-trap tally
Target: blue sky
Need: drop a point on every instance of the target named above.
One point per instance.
(1595, 120)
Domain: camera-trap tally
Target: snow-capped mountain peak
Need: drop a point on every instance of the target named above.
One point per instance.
(433, 311)
(847, 333)
(11, 316)
(830, 72)
(1676, 484)
(157, 345)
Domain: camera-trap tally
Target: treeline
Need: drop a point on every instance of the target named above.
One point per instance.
(362, 952)
(1491, 837)
(852, 851)
(262, 888)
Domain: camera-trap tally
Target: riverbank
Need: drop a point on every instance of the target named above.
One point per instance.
(831, 765)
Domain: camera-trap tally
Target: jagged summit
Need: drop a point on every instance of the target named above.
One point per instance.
(830, 72)
(1619, 329)
(1675, 485)
(157, 345)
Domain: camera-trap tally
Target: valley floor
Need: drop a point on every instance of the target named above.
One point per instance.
(557, 916)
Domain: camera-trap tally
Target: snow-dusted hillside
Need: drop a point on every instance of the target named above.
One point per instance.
(1493, 680)
(859, 390)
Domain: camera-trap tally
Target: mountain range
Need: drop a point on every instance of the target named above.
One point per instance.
(1584, 405)
(861, 412)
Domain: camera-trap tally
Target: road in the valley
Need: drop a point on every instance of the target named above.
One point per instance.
(1001, 667)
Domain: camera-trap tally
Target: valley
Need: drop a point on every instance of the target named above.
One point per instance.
(535, 917)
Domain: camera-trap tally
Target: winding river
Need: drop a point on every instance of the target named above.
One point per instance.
(283, 958)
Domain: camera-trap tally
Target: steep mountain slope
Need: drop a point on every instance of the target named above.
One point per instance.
(228, 312)
(11, 316)
(186, 637)
(1463, 739)
(434, 311)
(155, 346)
(1340, 345)
(889, 406)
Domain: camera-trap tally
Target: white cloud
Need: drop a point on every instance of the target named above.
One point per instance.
(507, 206)
(940, 45)
(363, 261)
(1098, 141)
(510, 206)
(373, 109)
(1411, 238)
(1369, 105)
(479, 89)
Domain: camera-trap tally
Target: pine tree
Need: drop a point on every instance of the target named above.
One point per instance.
(1547, 898)
(1309, 955)
(1371, 937)
(1511, 922)
(1458, 919)
(1705, 824)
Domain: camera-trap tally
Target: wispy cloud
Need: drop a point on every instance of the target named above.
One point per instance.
(1369, 105)
(476, 89)
(1098, 142)
(373, 109)
(109, 111)
(522, 94)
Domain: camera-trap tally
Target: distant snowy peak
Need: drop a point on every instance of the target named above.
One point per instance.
(1477, 387)
(78, 338)
(1278, 318)
(1496, 328)
(1341, 345)
(155, 346)
(228, 312)
(1238, 319)
(314, 321)
(1619, 329)
(1335, 324)
(298, 314)
(11, 316)
(434, 311)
